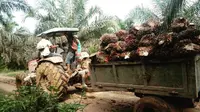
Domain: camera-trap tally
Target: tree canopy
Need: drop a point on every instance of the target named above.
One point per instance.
(17, 46)
(164, 11)
(72, 13)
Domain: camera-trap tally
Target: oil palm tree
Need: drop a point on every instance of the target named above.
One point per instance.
(191, 12)
(8, 6)
(164, 10)
(72, 13)
(13, 44)
(16, 48)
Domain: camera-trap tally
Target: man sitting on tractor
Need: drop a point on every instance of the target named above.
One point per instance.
(83, 68)
(43, 47)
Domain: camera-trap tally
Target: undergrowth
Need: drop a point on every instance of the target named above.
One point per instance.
(34, 99)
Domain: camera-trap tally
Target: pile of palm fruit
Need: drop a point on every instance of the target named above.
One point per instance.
(146, 41)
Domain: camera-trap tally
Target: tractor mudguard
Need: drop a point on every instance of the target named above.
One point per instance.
(54, 59)
(32, 65)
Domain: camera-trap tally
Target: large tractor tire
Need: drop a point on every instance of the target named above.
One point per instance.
(20, 80)
(153, 104)
(52, 78)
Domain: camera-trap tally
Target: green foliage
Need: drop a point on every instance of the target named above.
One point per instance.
(2, 65)
(9, 24)
(63, 13)
(191, 12)
(16, 50)
(34, 99)
(91, 45)
(126, 24)
(164, 10)
(92, 49)
(29, 99)
(18, 47)
(72, 13)
(13, 46)
(101, 25)
(72, 107)
(6, 8)
(141, 15)
(172, 10)
(10, 72)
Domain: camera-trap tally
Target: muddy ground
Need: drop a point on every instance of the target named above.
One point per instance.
(110, 101)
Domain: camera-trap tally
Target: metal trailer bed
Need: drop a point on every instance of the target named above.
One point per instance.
(170, 78)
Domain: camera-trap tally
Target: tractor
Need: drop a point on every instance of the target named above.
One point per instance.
(50, 72)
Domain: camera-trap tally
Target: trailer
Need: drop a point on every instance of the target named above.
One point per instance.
(162, 85)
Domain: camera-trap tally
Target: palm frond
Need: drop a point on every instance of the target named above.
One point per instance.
(191, 12)
(171, 11)
(15, 49)
(100, 26)
(159, 7)
(141, 14)
(7, 6)
(92, 12)
(78, 10)
(22, 32)
(6, 9)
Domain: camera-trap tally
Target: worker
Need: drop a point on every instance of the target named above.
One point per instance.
(72, 49)
(83, 68)
(43, 47)
(78, 52)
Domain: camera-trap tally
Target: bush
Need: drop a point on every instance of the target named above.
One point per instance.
(34, 99)
(73, 107)
(91, 45)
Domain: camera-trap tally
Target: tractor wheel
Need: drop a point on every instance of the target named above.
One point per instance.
(52, 78)
(20, 80)
(153, 104)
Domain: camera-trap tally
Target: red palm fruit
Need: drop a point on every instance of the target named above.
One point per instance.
(131, 42)
(108, 38)
(144, 51)
(179, 24)
(133, 30)
(102, 57)
(147, 40)
(121, 46)
(121, 34)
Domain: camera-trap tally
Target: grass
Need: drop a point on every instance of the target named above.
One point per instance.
(10, 72)
(2, 92)
(71, 107)
(14, 73)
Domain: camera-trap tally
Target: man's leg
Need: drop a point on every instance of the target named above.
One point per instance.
(83, 74)
(68, 67)
(68, 60)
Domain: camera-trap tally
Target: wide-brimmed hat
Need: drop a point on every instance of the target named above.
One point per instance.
(75, 36)
(84, 55)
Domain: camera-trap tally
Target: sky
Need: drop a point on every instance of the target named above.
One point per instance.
(118, 8)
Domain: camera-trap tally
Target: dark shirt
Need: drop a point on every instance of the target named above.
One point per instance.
(70, 40)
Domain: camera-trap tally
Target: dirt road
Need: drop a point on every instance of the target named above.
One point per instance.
(104, 101)
(95, 101)
(7, 87)
(110, 101)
